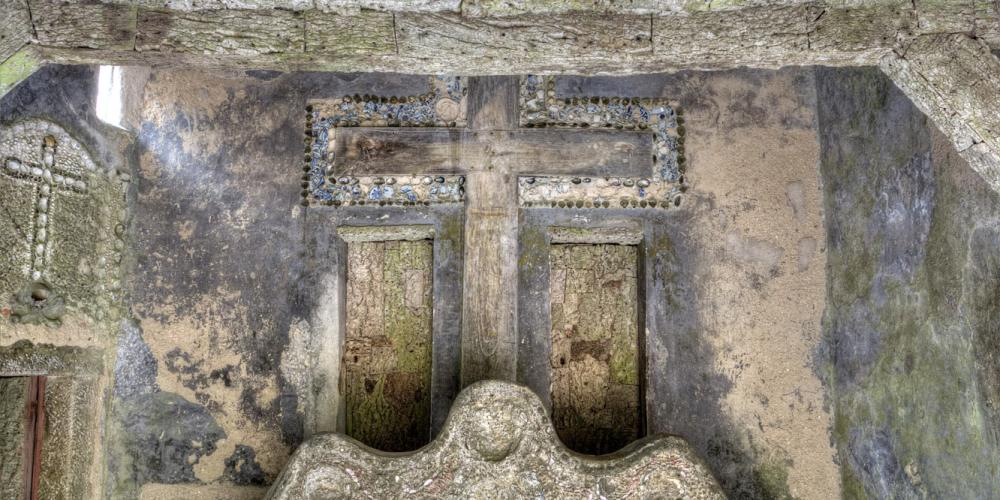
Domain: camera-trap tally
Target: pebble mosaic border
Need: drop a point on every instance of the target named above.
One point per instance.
(539, 107)
(444, 106)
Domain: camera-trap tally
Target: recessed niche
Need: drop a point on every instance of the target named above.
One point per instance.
(596, 359)
(386, 370)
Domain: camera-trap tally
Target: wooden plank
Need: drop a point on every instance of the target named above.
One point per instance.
(387, 347)
(489, 307)
(595, 359)
(493, 103)
(513, 40)
(84, 25)
(231, 32)
(373, 151)
(335, 34)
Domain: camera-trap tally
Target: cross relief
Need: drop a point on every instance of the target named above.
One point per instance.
(48, 175)
(496, 144)
(67, 216)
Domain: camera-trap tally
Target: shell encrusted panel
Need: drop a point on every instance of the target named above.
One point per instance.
(443, 106)
(662, 188)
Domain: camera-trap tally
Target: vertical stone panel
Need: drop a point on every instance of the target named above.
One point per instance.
(595, 346)
(16, 231)
(13, 400)
(72, 260)
(387, 347)
(71, 438)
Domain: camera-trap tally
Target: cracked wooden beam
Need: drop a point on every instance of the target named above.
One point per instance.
(17, 68)
(537, 38)
(15, 27)
(955, 80)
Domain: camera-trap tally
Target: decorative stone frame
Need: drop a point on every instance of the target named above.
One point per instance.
(328, 256)
(650, 230)
(75, 400)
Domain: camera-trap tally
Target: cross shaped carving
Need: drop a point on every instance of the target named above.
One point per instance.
(48, 177)
(497, 144)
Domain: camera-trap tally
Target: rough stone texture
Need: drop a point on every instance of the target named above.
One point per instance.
(955, 81)
(66, 230)
(221, 289)
(81, 240)
(366, 33)
(497, 443)
(387, 348)
(909, 335)
(88, 25)
(220, 32)
(13, 405)
(734, 290)
(15, 28)
(596, 361)
(23, 358)
(538, 39)
(71, 447)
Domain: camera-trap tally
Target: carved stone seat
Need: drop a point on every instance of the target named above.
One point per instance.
(497, 443)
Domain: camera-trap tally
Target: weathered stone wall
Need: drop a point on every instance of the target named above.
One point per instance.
(910, 342)
(13, 400)
(65, 183)
(595, 358)
(387, 346)
(216, 379)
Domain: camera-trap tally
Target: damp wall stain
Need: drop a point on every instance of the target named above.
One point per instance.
(909, 349)
(219, 288)
(730, 361)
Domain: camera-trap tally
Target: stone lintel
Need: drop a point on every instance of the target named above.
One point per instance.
(24, 358)
(356, 234)
(618, 234)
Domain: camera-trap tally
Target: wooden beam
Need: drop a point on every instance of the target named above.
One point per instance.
(489, 307)
(584, 41)
(955, 80)
(15, 27)
(374, 151)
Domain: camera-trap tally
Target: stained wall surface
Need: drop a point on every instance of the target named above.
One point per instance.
(216, 368)
(910, 346)
(387, 346)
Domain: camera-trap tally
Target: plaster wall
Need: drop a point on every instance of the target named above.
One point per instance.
(910, 333)
(224, 296)
(215, 370)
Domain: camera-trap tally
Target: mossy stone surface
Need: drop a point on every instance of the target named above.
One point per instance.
(911, 302)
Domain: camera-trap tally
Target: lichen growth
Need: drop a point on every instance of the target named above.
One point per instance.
(16, 68)
(902, 304)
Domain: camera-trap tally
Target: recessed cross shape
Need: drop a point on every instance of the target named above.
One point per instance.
(497, 144)
(48, 177)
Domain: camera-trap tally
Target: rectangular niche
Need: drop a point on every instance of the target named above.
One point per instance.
(596, 357)
(386, 369)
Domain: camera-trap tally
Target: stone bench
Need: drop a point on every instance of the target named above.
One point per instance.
(497, 443)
